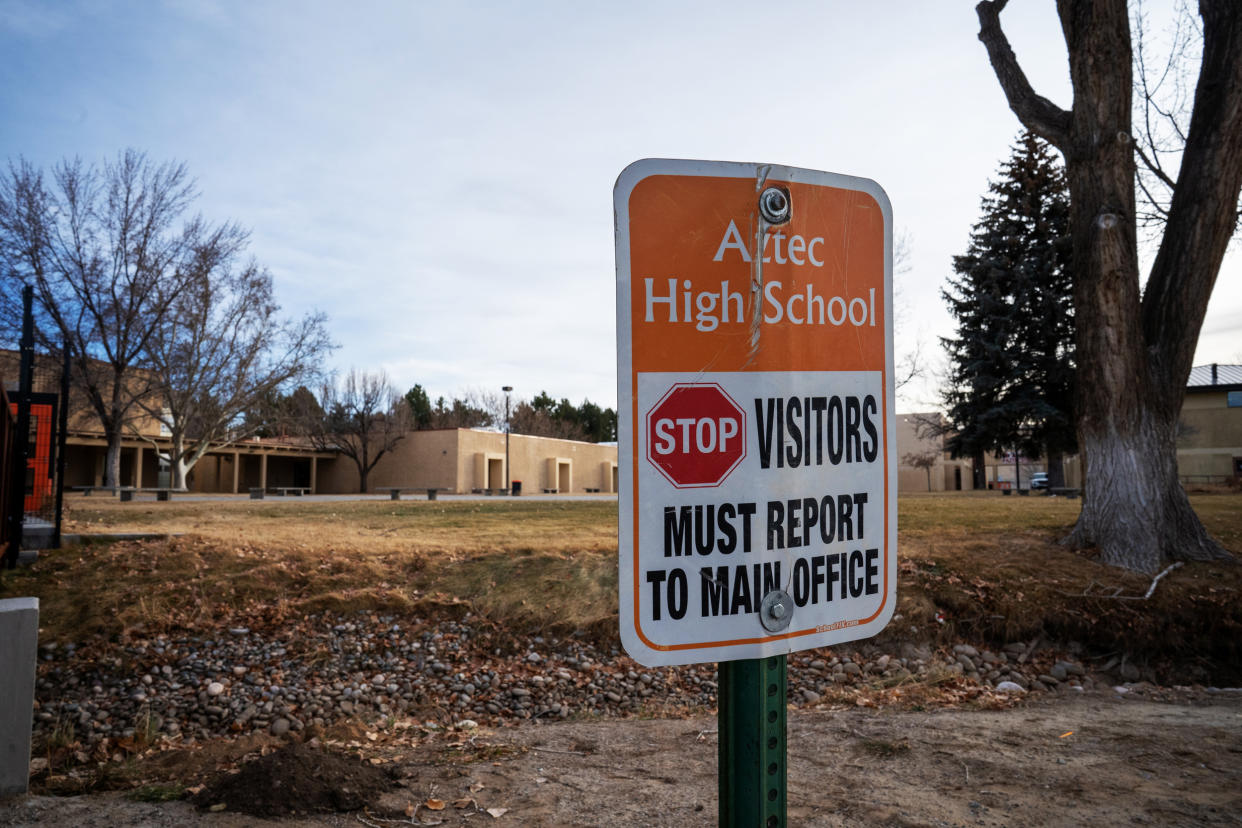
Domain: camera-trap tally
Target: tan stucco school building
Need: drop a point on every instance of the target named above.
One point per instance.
(458, 460)
(1209, 441)
(464, 460)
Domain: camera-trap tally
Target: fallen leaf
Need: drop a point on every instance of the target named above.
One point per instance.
(411, 809)
(463, 803)
(476, 787)
(434, 804)
(497, 813)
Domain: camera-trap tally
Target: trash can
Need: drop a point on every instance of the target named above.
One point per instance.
(515, 487)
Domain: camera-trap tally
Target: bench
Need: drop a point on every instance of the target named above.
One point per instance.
(592, 491)
(1065, 492)
(549, 491)
(258, 492)
(163, 494)
(394, 492)
(86, 490)
(490, 492)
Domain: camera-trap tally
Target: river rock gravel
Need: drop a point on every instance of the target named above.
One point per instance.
(370, 667)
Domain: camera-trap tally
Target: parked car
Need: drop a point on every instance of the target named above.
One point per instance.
(1039, 480)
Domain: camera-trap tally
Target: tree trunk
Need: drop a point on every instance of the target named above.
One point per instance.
(177, 464)
(1056, 470)
(979, 470)
(114, 425)
(1135, 510)
(112, 460)
(1134, 352)
(179, 473)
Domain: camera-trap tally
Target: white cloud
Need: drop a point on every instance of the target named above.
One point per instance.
(437, 177)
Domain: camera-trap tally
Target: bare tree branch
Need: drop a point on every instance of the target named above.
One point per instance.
(1162, 103)
(925, 460)
(107, 250)
(1204, 207)
(909, 367)
(1039, 114)
(223, 350)
(362, 418)
(1155, 169)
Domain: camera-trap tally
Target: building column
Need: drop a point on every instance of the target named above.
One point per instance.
(263, 471)
(314, 471)
(138, 467)
(236, 470)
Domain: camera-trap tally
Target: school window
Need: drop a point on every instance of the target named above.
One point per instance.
(1234, 399)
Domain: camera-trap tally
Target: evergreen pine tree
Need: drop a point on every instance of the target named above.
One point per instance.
(1011, 371)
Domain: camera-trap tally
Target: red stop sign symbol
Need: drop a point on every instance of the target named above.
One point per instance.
(696, 435)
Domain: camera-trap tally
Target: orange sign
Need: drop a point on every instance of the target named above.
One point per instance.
(761, 523)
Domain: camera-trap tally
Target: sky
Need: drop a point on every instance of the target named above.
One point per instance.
(437, 177)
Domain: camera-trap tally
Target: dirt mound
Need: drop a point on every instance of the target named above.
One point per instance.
(295, 780)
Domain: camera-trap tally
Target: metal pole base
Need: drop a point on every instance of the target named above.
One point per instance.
(753, 772)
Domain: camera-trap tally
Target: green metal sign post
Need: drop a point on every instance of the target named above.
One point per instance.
(756, 436)
(751, 723)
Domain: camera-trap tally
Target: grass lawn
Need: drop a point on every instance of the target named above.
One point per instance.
(991, 565)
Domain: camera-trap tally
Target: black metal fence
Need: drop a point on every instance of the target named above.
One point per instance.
(35, 419)
(8, 426)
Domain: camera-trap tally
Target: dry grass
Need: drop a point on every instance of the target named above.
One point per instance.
(994, 567)
(253, 564)
(364, 526)
(991, 565)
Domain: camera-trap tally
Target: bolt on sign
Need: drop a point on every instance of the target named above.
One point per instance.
(757, 431)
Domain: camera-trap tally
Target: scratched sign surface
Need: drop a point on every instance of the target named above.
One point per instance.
(757, 437)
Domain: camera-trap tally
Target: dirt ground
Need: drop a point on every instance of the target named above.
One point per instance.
(1098, 759)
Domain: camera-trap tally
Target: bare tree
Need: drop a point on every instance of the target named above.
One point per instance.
(542, 422)
(1163, 99)
(471, 412)
(222, 350)
(486, 408)
(909, 365)
(107, 251)
(363, 419)
(1135, 346)
(925, 460)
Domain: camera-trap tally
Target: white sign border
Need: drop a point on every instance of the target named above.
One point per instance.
(774, 644)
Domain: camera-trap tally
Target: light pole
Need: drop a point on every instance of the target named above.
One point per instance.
(508, 471)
